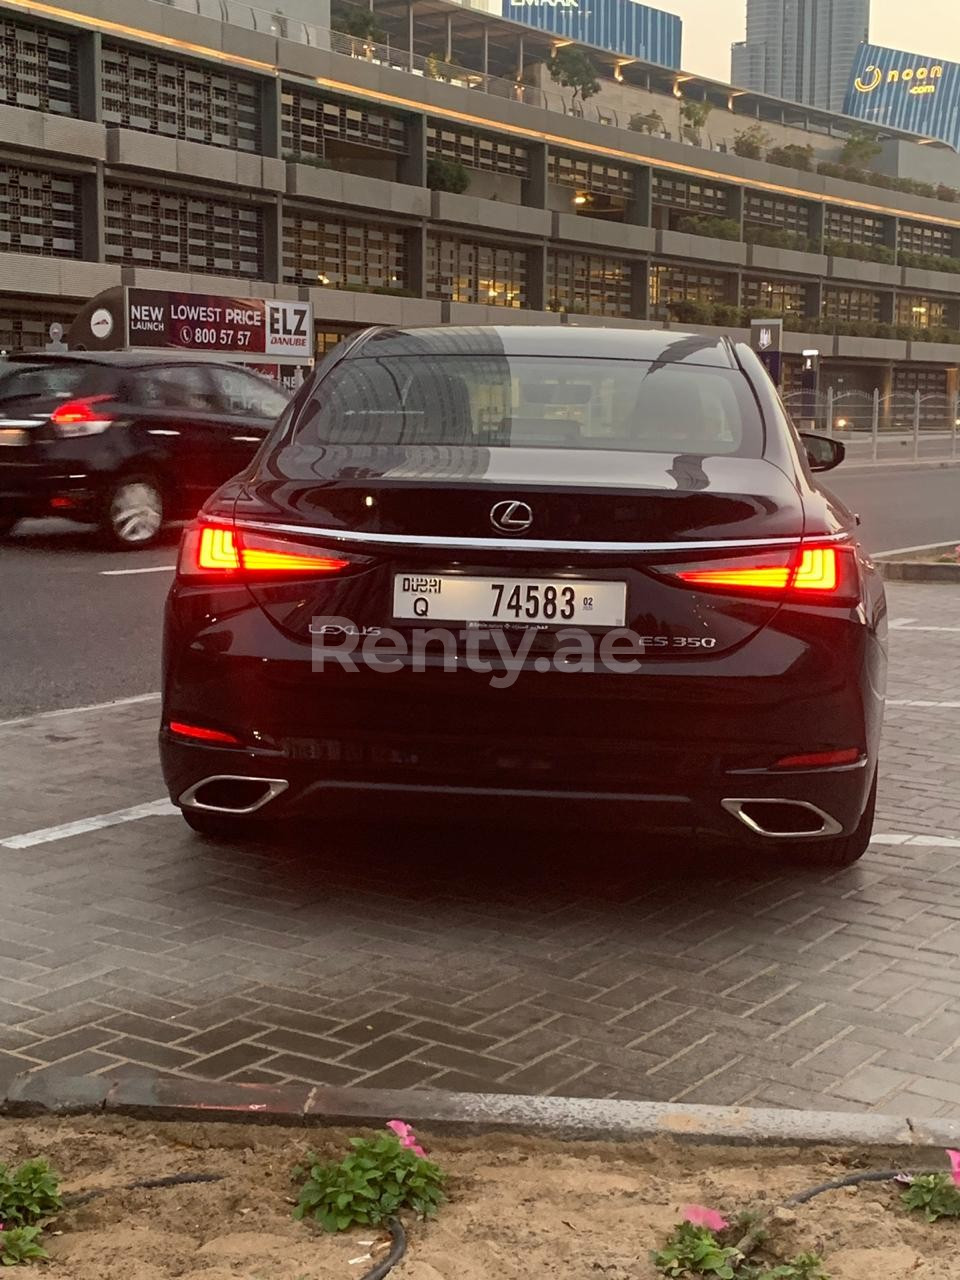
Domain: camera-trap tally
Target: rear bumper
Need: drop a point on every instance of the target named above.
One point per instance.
(36, 490)
(661, 749)
(294, 790)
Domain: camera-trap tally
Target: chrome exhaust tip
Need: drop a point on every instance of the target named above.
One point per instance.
(783, 819)
(232, 793)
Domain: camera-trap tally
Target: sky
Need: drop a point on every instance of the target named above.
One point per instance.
(710, 26)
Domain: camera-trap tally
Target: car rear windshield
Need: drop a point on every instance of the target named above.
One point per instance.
(534, 402)
(43, 381)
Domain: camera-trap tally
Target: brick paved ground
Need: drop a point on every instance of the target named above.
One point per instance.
(437, 958)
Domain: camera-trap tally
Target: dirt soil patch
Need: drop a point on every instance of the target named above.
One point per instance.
(518, 1207)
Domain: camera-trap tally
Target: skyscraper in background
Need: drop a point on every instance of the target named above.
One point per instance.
(801, 49)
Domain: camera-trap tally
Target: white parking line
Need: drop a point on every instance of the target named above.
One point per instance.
(926, 842)
(157, 808)
(918, 702)
(122, 573)
(93, 706)
(903, 627)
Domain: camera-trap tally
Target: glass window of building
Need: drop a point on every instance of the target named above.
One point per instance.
(340, 254)
(589, 284)
(920, 312)
(693, 194)
(39, 212)
(773, 211)
(587, 173)
(145, 227)
(478, 150)
(311, 121)
(853, 305)
(683, 283)
(38, 68)
(922, 237)
(782, 297)
(854, 227)
(460, 270)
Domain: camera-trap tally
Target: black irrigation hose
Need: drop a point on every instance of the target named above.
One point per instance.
(146, 1184)
(397, 1250)
(398, 1236)
(852, 1180)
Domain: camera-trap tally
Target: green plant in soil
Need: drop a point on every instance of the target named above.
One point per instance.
(379, 1178)
(696, 1251)
(805, 1266)
(934, 1195)
(20, 1245)
(28, 1194)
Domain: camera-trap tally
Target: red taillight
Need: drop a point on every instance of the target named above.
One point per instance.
(826, 570)
(200, 734)
(209, 549)
(81, 417)
(820, 759)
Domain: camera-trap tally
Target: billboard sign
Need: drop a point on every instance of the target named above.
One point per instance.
(210, 322)
(908, 91)
(623, 26)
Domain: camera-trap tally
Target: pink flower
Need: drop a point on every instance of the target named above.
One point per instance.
(701, 1216)
(954, 1158)
(406, 1135)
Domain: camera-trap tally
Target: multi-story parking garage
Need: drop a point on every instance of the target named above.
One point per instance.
(428, 169)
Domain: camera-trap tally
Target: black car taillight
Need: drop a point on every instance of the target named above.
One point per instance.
(221, 551)
(85, 417)
(826, 573)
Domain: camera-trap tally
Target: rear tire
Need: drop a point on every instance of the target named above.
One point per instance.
(133, 512)
(842, 851)
(222, 826)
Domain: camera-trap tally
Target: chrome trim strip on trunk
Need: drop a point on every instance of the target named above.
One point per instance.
(525, 544)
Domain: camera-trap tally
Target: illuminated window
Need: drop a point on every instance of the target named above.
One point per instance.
(787, 297)
(589, 284)
(920, 312)
(467, 271)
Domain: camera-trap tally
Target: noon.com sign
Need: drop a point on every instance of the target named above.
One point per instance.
(906, 91)
(635, 30)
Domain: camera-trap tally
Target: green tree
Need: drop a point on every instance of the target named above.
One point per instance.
(792, 156)
(647, 122)
(859, 149)
(573, 68)
(353, 21)
(751, 142)
(694, 116)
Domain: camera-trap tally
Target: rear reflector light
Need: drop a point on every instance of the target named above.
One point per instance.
(209, 549)
(816, 569)
(820, 759)
(200, 734)
(81, 417)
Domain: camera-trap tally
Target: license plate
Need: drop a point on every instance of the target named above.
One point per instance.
(12, 436)
(553, 601)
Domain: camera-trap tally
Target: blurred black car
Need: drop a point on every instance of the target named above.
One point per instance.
(437, 498)
(125, 440)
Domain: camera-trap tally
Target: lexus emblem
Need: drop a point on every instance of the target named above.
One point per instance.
(511, 517)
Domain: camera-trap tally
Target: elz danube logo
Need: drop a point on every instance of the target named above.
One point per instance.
(914, 79)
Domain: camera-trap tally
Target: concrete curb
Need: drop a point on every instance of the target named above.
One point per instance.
(894, 567)
(466, 1114)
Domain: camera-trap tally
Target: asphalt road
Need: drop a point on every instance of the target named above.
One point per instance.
(74, 632)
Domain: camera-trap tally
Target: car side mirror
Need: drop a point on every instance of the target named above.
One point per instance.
(823, 454)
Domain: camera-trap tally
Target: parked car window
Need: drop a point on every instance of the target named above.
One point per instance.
(244, 395)
(180, 386)
(535, 402)
(47, 381)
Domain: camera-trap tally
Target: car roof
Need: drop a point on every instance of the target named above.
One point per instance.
(566, 341)
(119, 359)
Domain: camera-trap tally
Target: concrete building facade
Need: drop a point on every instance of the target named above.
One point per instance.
(178, 152)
